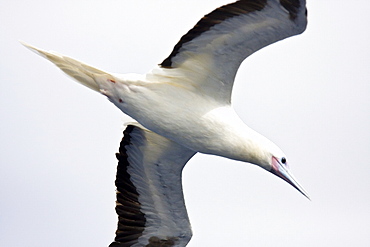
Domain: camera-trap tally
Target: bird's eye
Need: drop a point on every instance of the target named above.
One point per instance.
(283, 160)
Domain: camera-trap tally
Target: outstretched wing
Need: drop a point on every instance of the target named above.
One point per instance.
(211, 53)
(150, 203)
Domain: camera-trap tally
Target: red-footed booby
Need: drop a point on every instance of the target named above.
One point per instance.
(183, 106)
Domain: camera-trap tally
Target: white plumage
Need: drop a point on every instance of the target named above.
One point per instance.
(183, 107)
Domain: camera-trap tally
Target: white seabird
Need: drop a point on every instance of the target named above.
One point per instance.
(183, 106)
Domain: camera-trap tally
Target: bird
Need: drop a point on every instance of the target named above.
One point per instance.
(182, 107)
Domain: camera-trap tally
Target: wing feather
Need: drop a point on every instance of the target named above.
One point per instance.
(150, 203)
(210, 54)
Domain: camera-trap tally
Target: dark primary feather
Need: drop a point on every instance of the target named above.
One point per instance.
(217, 16)
(151, 164)
(292, 6)
(131, 220)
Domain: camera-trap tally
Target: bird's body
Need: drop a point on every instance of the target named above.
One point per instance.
(183, 106)
(185, 122)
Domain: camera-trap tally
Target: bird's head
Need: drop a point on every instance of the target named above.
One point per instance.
(271, 158)
(279, 167)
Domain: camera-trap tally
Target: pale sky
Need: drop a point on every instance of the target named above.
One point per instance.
(310, 94)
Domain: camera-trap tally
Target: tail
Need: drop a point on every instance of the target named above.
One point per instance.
(83, 73)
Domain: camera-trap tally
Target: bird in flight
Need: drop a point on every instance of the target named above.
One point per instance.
(183, 106)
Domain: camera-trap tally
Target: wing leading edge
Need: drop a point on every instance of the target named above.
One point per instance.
(212, 51)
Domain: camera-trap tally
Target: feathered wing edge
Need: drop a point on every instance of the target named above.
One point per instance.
(150, 204)
(293, 9)
(209, 55)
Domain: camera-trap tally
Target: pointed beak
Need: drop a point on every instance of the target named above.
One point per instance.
(282, 171)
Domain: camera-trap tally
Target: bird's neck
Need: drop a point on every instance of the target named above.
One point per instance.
(234, 139)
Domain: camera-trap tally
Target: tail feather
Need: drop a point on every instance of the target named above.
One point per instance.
(81, 72)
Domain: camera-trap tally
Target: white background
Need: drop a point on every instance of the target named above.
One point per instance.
(310, 94)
